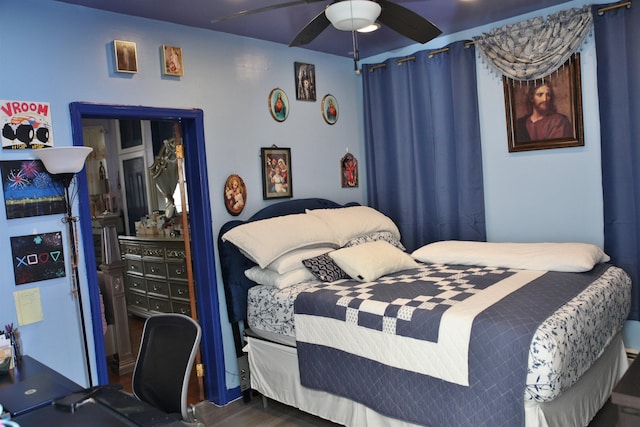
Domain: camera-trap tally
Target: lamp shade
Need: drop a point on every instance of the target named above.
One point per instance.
(351, 15)
(59, 160)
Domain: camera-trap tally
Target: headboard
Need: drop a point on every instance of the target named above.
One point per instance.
(233, 263)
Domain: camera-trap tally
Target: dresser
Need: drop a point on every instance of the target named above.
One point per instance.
(155, 275)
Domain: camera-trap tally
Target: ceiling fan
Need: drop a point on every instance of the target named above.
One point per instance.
(352, 15)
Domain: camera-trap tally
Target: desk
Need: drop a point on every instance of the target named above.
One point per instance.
(93, 413)
(30, 367)
(108, 409)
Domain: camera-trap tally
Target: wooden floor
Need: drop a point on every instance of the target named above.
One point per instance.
(253, 413)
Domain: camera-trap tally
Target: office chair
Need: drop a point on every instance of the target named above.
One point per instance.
(165, 360)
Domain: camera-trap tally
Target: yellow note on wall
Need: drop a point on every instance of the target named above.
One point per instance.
(28, 306)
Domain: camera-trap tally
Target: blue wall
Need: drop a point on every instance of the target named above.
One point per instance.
(62, 53)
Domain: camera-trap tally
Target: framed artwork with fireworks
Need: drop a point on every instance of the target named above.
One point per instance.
(29, 190)
(37, 257)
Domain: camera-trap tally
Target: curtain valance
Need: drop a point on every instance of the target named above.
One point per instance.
(535, 48)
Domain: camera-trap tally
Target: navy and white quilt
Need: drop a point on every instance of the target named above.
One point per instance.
(439, 345)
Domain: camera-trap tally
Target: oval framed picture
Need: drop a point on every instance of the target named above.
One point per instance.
(235, 194)
(329, 109)
(278, 105)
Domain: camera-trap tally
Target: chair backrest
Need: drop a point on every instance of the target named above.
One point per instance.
(165, 360)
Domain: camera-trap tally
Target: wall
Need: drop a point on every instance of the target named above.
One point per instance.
(60, 53)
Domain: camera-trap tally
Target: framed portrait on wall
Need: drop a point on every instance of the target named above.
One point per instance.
(276, 172)
(329, 109)
(278, 105)
(235, 194)
(305, 75)
(126, 56)
(545, 113)
(349, 171)
(172, 64)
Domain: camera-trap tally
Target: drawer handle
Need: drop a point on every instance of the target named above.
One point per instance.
(155, 288)
(184, 311)
(132, 267)
(179, 271)
(154, 270)
(181, 292)
(158, 307)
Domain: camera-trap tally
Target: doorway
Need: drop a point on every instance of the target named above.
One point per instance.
(202, 241)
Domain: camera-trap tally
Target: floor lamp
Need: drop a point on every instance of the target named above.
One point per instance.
(63, 163)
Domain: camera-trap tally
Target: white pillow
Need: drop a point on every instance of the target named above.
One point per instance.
(263, 276)
(568, 257)
(292, 260)
(369, 261)
(265, 240)
(353, 221)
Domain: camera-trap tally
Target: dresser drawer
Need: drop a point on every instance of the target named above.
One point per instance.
(181, 307)
(155, 269)
(130, 249)
(179, 290)
(135, 283)
(134, 266)
(136, 300)
(157, 287)
(177, 270)
(156, 252)
(161, 305)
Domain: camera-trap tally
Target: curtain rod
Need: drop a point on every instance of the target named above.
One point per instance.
(614, 6)
(413, 57)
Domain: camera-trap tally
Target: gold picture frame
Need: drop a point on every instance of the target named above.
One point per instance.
(330, 109)
(172, 61)
(545, 113)
(126, 56)
(278, 105)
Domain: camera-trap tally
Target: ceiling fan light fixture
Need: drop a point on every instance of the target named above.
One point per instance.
(370, 28)
(351, 15)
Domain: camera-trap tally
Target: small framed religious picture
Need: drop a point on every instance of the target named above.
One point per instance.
(329, 109)
(278, 105)
(172, 61)
(305, 81)
(126, 56)
(276, 173)
(349, 171)
(235, 194)
(545, 113)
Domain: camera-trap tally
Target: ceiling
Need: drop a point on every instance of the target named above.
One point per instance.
(283, 24)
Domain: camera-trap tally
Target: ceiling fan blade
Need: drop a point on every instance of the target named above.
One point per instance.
(407, 22)
(311, 30)
(262, 9)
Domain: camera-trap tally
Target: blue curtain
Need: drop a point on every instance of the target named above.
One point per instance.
(422, 135)
(617, 37)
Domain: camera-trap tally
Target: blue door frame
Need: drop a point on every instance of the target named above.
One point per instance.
(202, 241)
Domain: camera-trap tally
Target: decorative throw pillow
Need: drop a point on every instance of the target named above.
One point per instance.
(369, 261)
(324, 268)
(293, 260)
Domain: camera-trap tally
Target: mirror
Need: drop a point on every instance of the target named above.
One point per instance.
(164, 172)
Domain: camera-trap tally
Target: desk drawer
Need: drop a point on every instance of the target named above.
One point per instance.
(157, 287)
(155, 269)
(161, 305)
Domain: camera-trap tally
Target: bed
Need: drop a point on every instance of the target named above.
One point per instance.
(341, 322)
